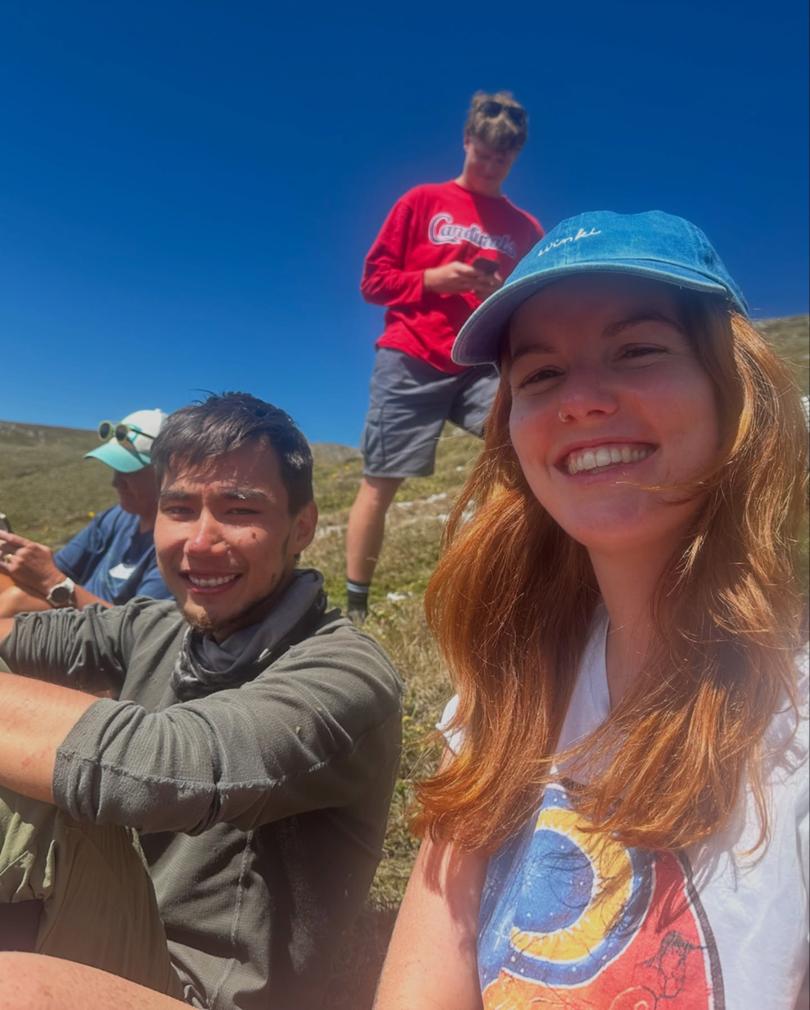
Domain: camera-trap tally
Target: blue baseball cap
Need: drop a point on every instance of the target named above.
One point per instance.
(654, 244)
(128, 445)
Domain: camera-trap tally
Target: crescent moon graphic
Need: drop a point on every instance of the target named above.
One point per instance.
(610, 894)
(572, 918)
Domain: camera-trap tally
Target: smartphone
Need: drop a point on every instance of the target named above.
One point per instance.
(484, 265)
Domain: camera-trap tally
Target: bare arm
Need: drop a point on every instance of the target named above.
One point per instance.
(432, 963)
(35, 718)
(84, 598)
(15, 600)
(91, 681)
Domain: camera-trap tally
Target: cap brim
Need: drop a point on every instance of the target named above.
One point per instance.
(116, 456)
(479, 339)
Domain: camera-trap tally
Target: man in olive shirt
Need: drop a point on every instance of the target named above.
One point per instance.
(251, 737)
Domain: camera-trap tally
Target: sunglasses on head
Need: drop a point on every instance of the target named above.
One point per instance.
(122, 432)
(492, 108)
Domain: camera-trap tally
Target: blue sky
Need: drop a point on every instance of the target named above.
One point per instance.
(187, 189)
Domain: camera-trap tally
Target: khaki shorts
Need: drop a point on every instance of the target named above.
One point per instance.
(409, 404)
(98, 903)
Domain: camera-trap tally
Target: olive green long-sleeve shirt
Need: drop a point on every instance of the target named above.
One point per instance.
(262, 808)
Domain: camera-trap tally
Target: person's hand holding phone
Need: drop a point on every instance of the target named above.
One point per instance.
(485, 266)
(489, 279)
(450, 278)
(455, 277)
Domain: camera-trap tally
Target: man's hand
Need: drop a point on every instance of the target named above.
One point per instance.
(455, 277)
(28, 563)
(487, 283)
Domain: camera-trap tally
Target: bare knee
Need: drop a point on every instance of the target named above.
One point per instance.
(378, 492)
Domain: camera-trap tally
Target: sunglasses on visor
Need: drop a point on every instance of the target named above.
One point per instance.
(491, 108)
(122, 432)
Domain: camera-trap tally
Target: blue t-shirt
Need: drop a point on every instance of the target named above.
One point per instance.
(112, 559)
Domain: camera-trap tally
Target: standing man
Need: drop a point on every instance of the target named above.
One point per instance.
(443, 248)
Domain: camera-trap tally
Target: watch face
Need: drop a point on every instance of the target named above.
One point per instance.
(60, 595)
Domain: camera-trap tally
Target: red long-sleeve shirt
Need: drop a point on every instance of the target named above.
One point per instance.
(428, 227)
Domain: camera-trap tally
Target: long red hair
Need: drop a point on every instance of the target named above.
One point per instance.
(513, 597)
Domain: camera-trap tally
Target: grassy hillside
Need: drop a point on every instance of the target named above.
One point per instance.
(46, 487)
(49, 491)
(791, 337)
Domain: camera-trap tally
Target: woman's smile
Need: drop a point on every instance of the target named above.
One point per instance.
(610, 408)
(603, 457)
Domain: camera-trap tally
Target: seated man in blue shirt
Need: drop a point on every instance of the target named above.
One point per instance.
(113, 558)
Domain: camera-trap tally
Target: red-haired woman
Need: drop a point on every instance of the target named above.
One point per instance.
(621, 818)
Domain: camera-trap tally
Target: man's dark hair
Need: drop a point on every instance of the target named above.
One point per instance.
(228, 421)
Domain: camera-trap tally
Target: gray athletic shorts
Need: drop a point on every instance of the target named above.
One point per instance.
(410, 401)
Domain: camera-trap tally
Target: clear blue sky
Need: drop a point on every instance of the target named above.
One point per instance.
(187, 189)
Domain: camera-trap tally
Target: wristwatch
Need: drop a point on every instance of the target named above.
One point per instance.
(63, 594)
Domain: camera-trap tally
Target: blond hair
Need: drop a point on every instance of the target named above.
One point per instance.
(507, 130)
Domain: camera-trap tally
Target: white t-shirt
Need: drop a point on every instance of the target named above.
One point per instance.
(571, 921)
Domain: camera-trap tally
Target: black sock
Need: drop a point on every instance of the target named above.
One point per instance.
(357, 596)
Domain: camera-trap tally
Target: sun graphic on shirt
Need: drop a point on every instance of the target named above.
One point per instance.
(585, 923)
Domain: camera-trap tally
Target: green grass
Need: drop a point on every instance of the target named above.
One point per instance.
(49, 491)
(791, 337)
(414, 521)
(47, 488)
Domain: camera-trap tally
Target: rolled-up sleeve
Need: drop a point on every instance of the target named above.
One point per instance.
(73, 647)
(308, 733)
